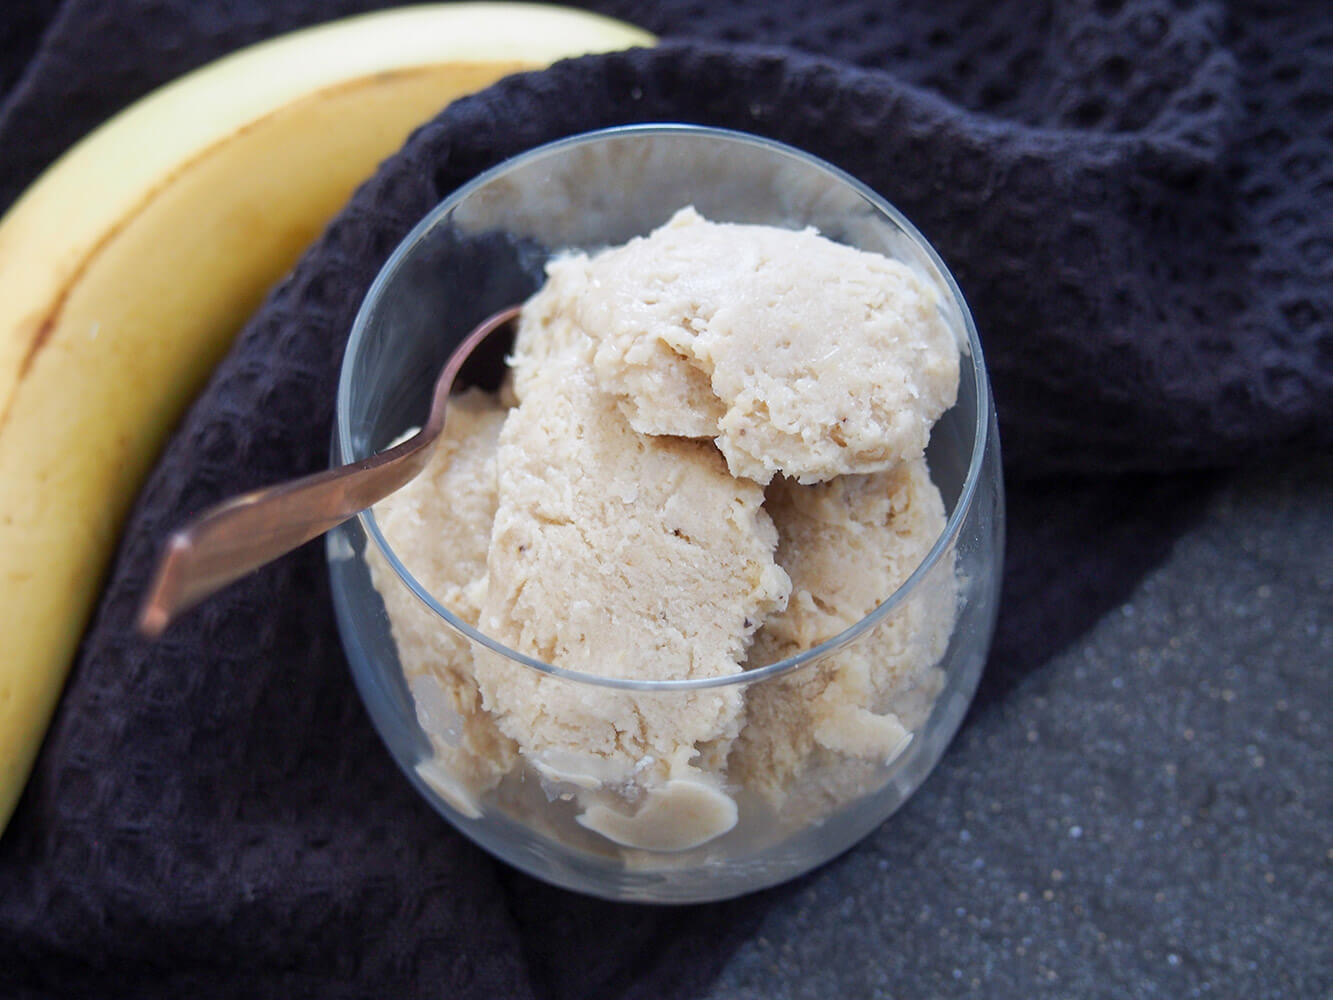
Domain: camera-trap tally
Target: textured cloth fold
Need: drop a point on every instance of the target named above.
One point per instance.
(1134, 198)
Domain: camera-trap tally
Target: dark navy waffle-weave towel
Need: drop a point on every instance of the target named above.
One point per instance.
(1135, 199)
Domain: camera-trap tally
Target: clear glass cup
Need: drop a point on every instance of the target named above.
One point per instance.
(483, 249)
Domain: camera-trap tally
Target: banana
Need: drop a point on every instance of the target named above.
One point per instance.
(127, 268)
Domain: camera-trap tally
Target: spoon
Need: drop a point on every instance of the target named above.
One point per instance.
(248, 531)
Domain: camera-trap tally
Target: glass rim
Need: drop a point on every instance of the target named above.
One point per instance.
(778, 668)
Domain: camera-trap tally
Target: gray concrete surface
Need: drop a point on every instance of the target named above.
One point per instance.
(1150, 814)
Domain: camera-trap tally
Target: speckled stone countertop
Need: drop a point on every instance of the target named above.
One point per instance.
(1148, 814)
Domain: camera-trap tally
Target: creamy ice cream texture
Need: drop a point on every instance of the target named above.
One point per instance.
(794, 353)
(615, 522)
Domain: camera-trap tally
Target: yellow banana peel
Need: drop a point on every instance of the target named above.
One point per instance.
(128, 267)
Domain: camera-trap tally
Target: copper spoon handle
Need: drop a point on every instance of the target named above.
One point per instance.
(241, 534)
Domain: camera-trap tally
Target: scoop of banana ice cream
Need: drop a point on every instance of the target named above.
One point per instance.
(439, 524)
(847, 546)
(796, 354)
(622, 555)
